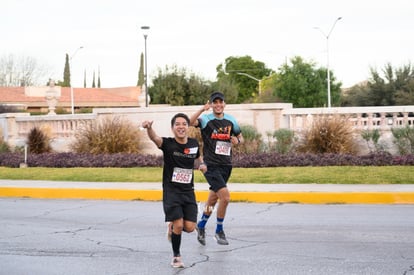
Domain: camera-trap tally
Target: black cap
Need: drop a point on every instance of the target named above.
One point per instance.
(216, 95)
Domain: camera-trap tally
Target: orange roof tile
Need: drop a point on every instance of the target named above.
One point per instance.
(125, 96)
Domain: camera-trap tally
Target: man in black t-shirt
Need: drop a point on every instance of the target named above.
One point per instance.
(180, 153)
(219, 132)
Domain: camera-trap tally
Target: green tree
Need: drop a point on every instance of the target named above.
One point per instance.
(246, 73)
(404, 94)
(228, 87)
(304, 85)
(198, 91)
(381, 92)
(176, 87)
(84, 79)
(141, 76)
(357, 95)
(93, 80)
(66, 73)
(99, 78)
(391, 86)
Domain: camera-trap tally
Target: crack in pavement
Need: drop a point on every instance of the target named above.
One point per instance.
(410, 269)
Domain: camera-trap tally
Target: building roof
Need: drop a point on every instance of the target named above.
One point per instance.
(91, 97)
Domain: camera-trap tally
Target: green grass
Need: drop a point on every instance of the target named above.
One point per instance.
(330, 174)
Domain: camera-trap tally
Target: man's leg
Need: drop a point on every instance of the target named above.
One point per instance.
(223, 196)
(224, 199)
(177, 228)
(208, 209)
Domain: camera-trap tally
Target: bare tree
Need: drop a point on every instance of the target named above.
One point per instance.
(21, 71)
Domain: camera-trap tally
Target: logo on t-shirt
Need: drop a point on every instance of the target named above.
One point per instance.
(192, 150)
(222, 133)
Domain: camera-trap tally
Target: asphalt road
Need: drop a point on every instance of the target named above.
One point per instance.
(128, 237)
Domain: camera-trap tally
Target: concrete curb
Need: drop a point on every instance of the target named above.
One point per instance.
(258, 193)
(237, 196)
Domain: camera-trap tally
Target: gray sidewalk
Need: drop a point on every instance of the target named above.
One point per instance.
(298, 193)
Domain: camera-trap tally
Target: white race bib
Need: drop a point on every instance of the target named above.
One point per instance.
(182, 175)
(223, 148)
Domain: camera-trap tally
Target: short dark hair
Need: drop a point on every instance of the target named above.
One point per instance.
(180, 115)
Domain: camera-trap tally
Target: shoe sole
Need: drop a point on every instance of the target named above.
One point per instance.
(221, 242)
(177, 265)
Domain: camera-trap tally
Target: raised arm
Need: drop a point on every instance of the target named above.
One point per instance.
(151, 133)
(196, 115)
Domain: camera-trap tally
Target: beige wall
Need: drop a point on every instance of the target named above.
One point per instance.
(265, 117)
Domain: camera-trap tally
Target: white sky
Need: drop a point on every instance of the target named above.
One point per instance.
(198, 35)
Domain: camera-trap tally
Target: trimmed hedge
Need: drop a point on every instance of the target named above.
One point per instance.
(68, 160)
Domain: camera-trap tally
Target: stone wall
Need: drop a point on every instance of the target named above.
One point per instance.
(265, 117)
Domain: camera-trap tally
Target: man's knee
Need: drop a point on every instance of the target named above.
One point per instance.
(224, 195)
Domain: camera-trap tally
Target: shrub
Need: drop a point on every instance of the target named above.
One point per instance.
(85, 110)
(372, 139)
(4, 147)
(109, 136)
(61, 111)
(68, 160)
(38, 141)
(8, 109)
(273, 159)
(329, 134)
(404, 139)
(252, 141)
(284, 140)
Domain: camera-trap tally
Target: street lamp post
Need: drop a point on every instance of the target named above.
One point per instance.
(71, 86)
(328, 74)
(249, 76)
(258, 80)
(145, 30)
(254, 78)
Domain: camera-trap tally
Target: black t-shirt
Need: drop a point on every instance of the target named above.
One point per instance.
(216, 134)
(178, 173)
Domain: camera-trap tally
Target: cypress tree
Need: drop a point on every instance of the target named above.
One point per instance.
(66, 73)
(141, 75)
(84, 79)
(99, 78)
(93, 81)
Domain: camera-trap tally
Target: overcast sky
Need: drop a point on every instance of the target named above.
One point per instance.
(198, 35)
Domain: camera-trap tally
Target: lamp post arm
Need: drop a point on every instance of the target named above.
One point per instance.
(333, 26)
(254, 78)
(249, 76)
(328, 75)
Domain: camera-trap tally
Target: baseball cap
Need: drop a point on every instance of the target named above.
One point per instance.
(216, 95)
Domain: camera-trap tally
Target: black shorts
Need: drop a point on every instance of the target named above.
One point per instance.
(217, 176)
(179, 205)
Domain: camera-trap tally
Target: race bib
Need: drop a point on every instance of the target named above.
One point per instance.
(223, 148)
(182, 175)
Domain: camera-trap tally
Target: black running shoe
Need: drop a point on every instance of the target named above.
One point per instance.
(221, 238)
(201, 235)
